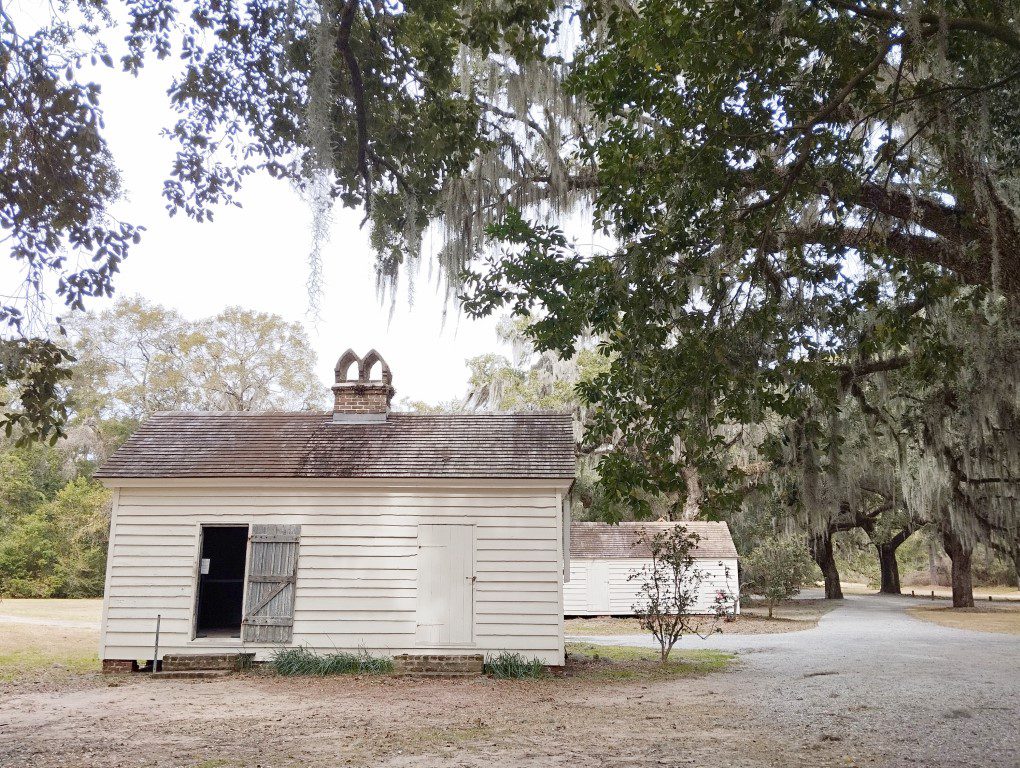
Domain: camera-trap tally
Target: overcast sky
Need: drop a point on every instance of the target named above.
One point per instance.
(256, 256)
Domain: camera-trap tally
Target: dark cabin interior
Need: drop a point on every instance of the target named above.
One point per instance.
(221, 589)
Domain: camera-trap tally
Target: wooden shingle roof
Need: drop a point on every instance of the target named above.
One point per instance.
(602, 540)
(306, 444)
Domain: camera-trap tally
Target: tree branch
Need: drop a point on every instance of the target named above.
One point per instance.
(343, 44)
(999, 32)
(944, 220)
(972, 266)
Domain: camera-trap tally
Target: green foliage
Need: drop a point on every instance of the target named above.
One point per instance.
(509, 665)
(383, 107)
(56, 547)
(28, 557)
(131, 360)
(302, 661)
(776, 569)
(802, 197)
(20, 490)
(137, 358)
(33, 376)
(668, 589)
(80, 519)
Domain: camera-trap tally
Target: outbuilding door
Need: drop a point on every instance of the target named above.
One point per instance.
(446, 585)
(598, 587)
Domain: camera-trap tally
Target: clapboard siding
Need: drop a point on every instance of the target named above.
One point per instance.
(357, 566)
(623, 593)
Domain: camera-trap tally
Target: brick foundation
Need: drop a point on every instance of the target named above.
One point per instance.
(438, 665)
(179, 662)
(119, 666)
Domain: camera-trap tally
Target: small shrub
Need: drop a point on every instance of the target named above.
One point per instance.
(301, 661)
(776, 568)
(507, 665)
(668, 589)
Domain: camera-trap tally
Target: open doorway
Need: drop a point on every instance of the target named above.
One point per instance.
(221, 580)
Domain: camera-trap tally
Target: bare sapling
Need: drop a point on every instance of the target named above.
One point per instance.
(669, 587)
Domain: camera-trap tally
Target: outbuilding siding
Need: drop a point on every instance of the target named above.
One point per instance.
(357, 564)
(624, 593)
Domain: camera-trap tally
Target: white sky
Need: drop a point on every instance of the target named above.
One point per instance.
(256, 257)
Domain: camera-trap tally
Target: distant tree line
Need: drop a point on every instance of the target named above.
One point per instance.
(130, 361)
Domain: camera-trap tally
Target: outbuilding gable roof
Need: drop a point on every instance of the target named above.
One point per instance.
(603, 540)
(307, 444)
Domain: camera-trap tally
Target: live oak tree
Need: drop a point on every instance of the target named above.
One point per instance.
(814, 202)
(797, 190)
(409, 112)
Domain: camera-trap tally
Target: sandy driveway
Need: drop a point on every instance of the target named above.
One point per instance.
(869, 686)
(912, 692)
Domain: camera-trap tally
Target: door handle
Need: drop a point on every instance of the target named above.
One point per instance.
(472, 579)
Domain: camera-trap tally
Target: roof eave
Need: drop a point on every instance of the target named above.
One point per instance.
(562, 484)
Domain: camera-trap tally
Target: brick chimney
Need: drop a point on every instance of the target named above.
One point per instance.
(360, 400)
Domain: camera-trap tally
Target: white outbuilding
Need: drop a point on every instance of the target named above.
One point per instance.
(358, 529)
(603, 557)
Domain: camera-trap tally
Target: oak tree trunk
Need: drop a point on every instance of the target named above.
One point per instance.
(887, 560)
(960, 555)
(889, 567)
(821, 551)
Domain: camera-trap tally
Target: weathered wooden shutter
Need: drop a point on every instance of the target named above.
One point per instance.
(272, 578)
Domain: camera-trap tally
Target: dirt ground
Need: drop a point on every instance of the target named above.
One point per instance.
(853, 691)
(981, 618)
(790, 616)
(621, 710)
(269, 721)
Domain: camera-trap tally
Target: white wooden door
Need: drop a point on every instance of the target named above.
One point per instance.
(446, 584)
(598, 587)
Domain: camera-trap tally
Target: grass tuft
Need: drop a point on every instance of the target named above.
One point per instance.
(301, 661)
(508, 665)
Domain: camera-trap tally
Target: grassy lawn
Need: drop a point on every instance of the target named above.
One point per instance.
(62, 610)
(1005, 619)
(616, 662)
(1000, 592)
(34, 651)
(27, 650)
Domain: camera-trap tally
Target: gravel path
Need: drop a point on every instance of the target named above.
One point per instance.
(911, 692)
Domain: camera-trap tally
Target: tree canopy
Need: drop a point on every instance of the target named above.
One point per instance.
(391, 108)
(137, 358)
(813, 204)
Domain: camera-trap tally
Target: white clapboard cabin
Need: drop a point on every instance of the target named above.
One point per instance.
(359, 529)
(603, 556)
